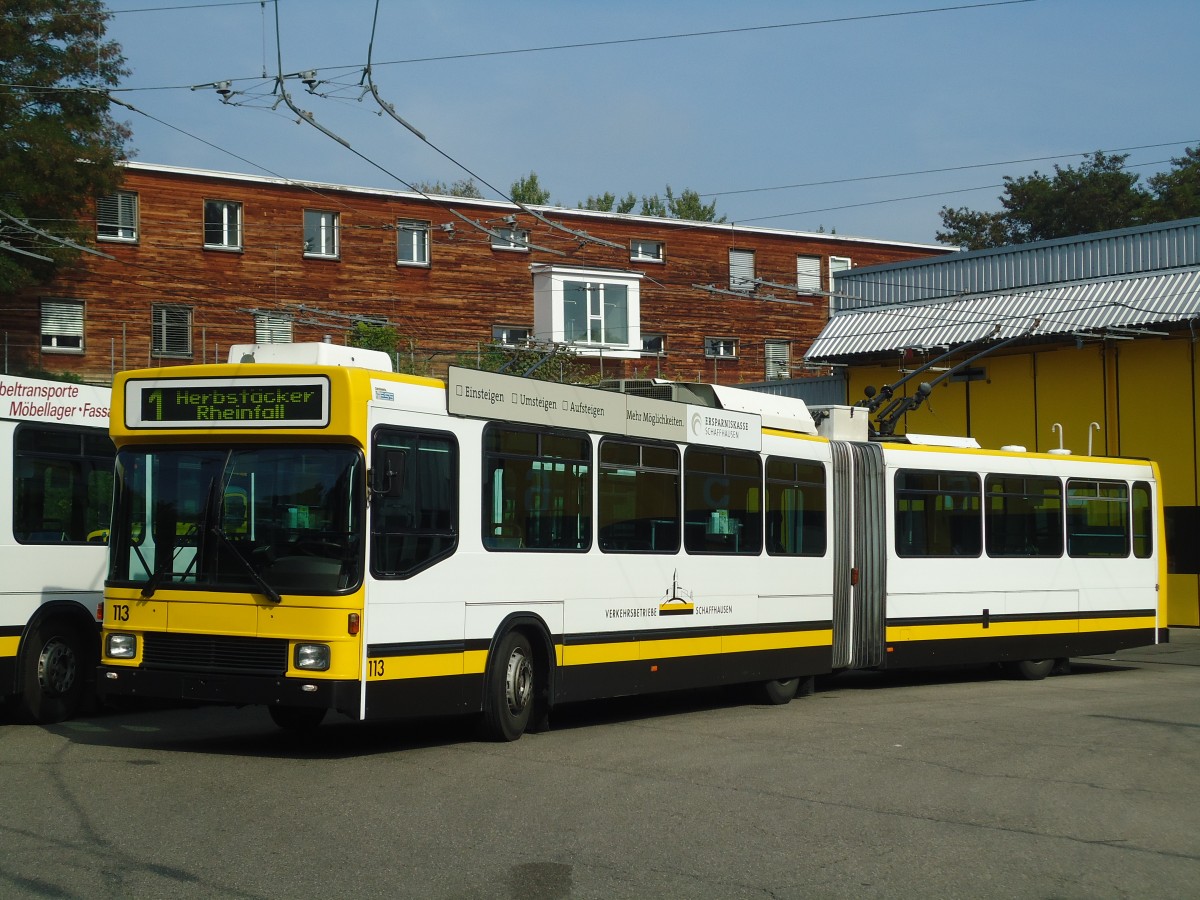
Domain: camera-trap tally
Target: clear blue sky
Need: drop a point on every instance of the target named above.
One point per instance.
(746, 117)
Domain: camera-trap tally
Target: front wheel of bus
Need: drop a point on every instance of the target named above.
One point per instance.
(508, 703)
(297, 718)
(52, 672)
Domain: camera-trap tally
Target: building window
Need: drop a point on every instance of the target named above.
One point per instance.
(597, 310)
(720, 347)
(62, 326)
(320, 234)
(412, 243)
(645, 251)
(170, 330)
(510, 239)
(838, 264)
(117, 217)
(272, 329)
(509, 335)
(222, 225)
(595, 313)
(654, 343)
(741, 270)
(777, 359)
(808, 274)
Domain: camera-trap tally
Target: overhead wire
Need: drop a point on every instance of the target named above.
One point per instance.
(268, 96)
(577, 45)
(391, 111)
(311, 120)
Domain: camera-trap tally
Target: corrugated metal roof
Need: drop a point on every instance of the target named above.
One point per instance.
(1141, 250)
(1062, 309)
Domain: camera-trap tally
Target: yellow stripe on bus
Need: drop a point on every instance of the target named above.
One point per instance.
(426, 665)
(900, 633)
(781, 640)
(473, 662)
(629, 651)
(8, 645)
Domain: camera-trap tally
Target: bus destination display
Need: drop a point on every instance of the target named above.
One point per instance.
(228, 403)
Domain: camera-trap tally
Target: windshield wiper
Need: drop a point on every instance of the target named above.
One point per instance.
(155, 578)
(264, 587)
(211, 523)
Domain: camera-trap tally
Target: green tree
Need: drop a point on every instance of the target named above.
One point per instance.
(1099, 195)
(607, 202)
(464, 187)
(689, 206)
(1177, 192)
(654, 206)
(553, 364)
(686, 206)
(58, 141)
(369, 336)
(401, 350)
(529, 191)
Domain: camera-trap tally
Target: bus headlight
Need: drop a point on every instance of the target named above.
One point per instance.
(314, 657)
(120, 646)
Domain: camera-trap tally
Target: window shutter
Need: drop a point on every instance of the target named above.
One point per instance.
(172, 331)
(777, 359)
(116, 216)
(808, 274)
(272, 330)
(62, 324)
(741, 270)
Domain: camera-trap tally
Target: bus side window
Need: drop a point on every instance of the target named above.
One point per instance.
(415, 519)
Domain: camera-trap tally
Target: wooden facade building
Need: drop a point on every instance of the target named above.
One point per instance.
(193, 261)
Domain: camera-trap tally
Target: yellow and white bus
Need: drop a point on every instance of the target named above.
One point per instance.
(303, 529)
(56, 473)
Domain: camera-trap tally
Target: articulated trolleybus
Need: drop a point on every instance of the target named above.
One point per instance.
(303, 529)
(56, 472)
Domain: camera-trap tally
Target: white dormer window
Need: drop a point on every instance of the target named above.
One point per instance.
(596, 311)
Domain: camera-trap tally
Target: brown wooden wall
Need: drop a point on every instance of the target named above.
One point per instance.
(445, 309)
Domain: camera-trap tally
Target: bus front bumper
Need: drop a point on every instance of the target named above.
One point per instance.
(236, 690)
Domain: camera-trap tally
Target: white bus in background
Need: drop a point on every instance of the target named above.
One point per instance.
(56, 463)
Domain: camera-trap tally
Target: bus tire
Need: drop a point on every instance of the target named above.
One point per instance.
(779, 692)
(297, 718)
(53, 671)
(509, 694)
(1034, 669)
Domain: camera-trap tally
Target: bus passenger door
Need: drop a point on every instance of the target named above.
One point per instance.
(859, 555)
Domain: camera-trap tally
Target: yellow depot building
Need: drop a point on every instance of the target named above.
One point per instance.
(1085, 344)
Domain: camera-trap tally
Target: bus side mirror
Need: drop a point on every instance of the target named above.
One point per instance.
(388, 475)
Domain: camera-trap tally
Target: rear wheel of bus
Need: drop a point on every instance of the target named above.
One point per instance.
(54, 665)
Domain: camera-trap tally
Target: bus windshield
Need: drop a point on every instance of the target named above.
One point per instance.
(267, 519)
